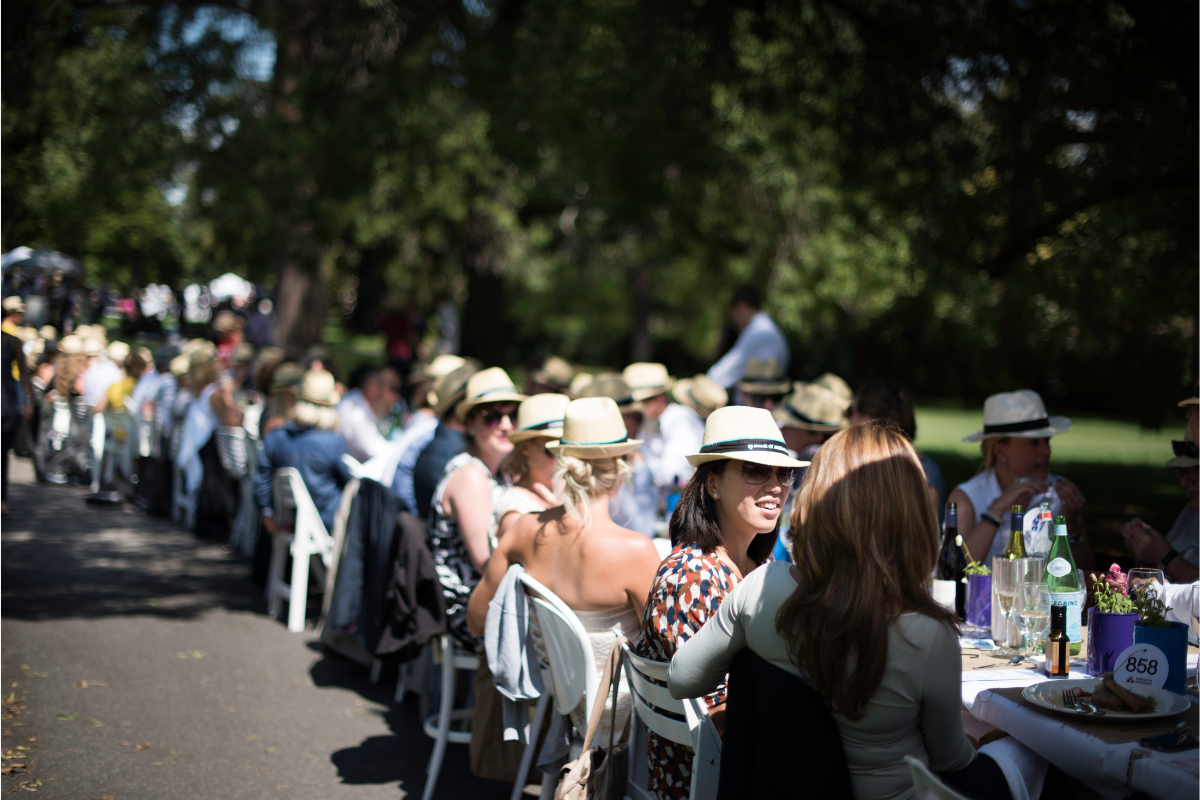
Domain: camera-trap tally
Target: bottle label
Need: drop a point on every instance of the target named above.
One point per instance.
(1058, 567)
(1074, 603)
(1058, 658)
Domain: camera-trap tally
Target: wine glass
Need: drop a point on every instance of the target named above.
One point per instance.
(1005, 580)
(1148, 578)
(1032, 612)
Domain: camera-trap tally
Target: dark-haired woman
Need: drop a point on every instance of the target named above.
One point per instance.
(723, 528)
(854, 618)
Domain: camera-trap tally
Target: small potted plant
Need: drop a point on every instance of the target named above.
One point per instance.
(979, 592)
(1110, 621)
(1154, 628)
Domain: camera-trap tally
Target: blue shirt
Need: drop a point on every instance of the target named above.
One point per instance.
(316, 454)
(431, 463)
(402, 481)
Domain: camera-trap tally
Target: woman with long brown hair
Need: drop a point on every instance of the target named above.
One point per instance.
(854, 617)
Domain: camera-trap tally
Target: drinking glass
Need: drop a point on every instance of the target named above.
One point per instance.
(1033, 610)
(1006, 582)
(1194, 682)
(1145, 576)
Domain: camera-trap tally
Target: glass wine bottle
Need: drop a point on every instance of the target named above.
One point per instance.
(951, 561)
(1016, 535)
(1063, 579)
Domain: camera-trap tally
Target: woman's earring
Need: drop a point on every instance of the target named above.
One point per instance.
(716, 496)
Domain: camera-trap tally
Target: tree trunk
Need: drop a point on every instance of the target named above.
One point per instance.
(484, 328)
(639, 345)
(301, 307)
(368, 308)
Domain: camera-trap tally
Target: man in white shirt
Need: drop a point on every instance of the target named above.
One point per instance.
(667, 437)
(759, 338)
(104, 371)
(360, 413)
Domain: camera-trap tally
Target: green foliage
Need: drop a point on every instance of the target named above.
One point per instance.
(1152, 609)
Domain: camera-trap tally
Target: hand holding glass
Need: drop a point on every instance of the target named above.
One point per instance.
(1033, 611)
(1149, 578)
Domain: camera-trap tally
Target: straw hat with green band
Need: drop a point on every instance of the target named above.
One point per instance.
(449, 389)
(763, 377)
(811, 408)
(490, 385)
(701, 394)
(540, 415)
(555, 373)
(647, 379)
(743, 433)
(593, 428)
(614, 387)
(839, 387)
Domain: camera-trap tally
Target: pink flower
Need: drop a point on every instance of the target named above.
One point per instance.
(1115, 568)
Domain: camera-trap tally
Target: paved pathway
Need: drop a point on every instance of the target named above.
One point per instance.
(121, 630)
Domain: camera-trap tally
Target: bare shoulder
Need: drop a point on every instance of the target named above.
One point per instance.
(469, 477)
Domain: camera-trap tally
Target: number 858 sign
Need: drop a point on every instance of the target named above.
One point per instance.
(1142, 665)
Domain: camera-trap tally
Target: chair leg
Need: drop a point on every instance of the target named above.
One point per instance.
(531, 746)
(275, 575)
(444, 715)
(376, 668)
(298, 593)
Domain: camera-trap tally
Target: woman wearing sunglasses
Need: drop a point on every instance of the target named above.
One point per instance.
(461, 511)
(530, 466)
(724, 526)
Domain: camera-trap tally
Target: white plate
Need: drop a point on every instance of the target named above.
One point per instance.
(1048, 695)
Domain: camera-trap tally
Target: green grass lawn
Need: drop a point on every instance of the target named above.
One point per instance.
(1118, 465)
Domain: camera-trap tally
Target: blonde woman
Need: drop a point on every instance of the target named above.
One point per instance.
(854, 618)
(530, 466)
(599, 569)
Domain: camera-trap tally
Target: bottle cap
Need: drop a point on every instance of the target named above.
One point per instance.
(1058, 616)
(1016, 510)
(1060, 520)
(952, 505)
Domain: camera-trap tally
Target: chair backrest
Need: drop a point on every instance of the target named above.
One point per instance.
(231, 450)
(354, 465)
(773, 717)
(650, 699)
(928, 786)
(572, 664)
(293, 502)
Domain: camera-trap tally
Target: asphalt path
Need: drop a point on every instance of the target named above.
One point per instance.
(137, 661)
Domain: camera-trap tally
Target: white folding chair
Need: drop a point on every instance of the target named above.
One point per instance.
(698, 732)
(928, 786)
(307, 538)
(437, 727)
(98, 438)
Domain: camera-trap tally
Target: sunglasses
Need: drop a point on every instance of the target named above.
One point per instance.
(1185, 449)
(757, 474)
(1192, 472)
(493, 416)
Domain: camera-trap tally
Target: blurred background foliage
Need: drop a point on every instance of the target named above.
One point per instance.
(962, 196)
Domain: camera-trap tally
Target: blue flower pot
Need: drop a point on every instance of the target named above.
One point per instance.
(1172, 640)
(1108, 636)
(979, 600)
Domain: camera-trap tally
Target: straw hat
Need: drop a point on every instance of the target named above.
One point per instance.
(614, 387)
(27, 334)
(555, 373)
(593, 428)
(14, 305)
(745, 434)
(839, 387)
(764, 377)
(228, 322)
(201, 355)
(319, 388)
(1185, 451)
(701, 394)
(1191, 401)
(1021, 413)
(71, 344)
(579, 382)
(179, 364)
(118, 352)
(440, 367)
(488, 386)
(287, 376)
(93, 333)
(647, 379)
(48, 332)
(540, 415)
(811, 407)
(449, 389)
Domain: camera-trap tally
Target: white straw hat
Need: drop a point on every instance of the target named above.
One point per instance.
(555, 373)
(593, 428)
(488, 386)
(440, 367)
(811, 407)
(540, 415)
(701, 394)
(745, 434)
(449, 388)
(613, 386)
(117, 352)
(319, 388)
(647, 379)
(763, 377)
(1022, 414)
(836, 385)
(71, 344)
(579, 383)
(1185, 456)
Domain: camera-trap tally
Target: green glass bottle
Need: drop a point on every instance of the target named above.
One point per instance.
(1063, 579)
(1016, 536)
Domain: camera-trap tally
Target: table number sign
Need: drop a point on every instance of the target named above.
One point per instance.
(1141, 665)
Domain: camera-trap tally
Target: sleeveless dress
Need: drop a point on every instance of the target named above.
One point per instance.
(454, 569)
(982, 491)
(511, 499)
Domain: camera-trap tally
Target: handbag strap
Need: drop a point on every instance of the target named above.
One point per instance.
(608, 677)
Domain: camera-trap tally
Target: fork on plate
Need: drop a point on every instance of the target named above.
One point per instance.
(1075, 703)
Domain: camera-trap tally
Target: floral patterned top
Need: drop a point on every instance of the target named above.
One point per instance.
(687, 590)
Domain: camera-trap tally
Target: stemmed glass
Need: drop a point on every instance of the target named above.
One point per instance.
(1148, 578)
(1032, 612)
(1005, 579)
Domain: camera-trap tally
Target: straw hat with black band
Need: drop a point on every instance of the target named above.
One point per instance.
(449, 389)
(763, 377)
(614, 387)
(490, 385)
(1021, 414)
(319, 387)
(743, 433)
(579, 383)
(555, 373)
(701, 394)
(839, 387)
(647, 379)
(1186, 454)
(811, 408)
(540, 415)
(13, 304)
(438, 368)
(593, 428)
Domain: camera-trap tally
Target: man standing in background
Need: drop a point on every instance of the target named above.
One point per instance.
(759, 337)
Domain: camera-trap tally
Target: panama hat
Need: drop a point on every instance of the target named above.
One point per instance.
(179, 365)
(593, 428)
(243, 353)
(763, 377)
(1191, 401)
(614, 387)
(811, 407)
(647, 379)
(555, 373)
(490, 385)
(201, 355)
(228, 322)
(745, 434)
(118, 352)
(449, 389)
(14, 305)
(1185, 451)
(71, 344)
(579, 383)
(319, 388)
(287, 376)
(1021, 413)
(440, 367)
(701, 394)
(48, 332)
(540, 415)
(839, 387)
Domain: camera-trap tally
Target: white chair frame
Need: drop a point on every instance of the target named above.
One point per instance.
(307, 538)
(649, 700)
(437, 727)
